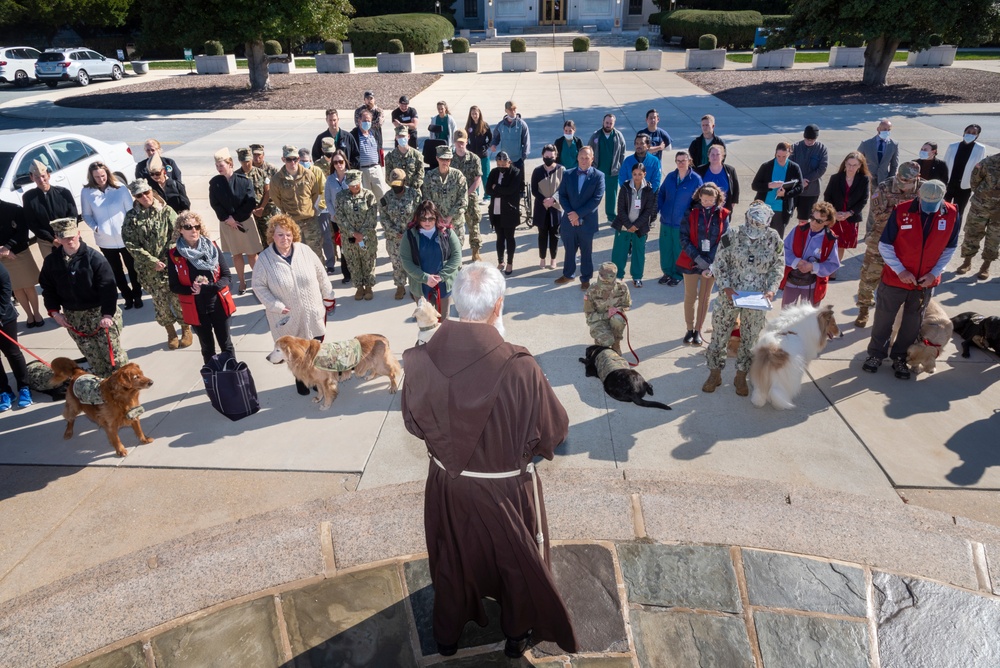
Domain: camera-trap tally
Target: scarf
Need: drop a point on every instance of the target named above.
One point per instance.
(204, 257)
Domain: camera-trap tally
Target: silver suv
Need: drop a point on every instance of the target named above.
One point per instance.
(79, 65)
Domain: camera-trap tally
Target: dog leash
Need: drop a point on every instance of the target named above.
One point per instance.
(329, 305)
(107, 333)
(936, 346)
(628, 340)
(436, 293)
(16, 343)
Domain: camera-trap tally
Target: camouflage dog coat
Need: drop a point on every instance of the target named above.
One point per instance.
(338, 356)
(608, 361)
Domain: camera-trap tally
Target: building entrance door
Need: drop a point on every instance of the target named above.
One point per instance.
(552, 12)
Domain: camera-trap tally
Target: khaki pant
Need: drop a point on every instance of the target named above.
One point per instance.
(696, 288)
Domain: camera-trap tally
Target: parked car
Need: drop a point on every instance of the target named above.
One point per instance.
(79, 65)
(17, 64)
(67, 156)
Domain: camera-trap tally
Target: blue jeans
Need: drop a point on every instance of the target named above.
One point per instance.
(578, 238)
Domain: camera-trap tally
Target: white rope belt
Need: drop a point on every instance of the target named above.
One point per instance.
(530, 469)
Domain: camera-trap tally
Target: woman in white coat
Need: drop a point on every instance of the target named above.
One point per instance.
(961, 157)
(291, 282)
(103, 203)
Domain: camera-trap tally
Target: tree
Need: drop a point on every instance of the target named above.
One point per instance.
(50, 15)
(885, 24)
(192, 22)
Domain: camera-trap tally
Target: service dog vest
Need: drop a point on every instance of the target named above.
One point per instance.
(87, 389)
(608, 361)
(338, 356)
(915, 252)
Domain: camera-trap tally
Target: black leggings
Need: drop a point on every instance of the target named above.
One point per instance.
(216, 322)
(115, 257)
(548, 234)
(959, 197)
(14, 356)
(505, 239)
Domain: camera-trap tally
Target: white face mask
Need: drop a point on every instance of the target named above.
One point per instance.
(969, 138)
(884, 135)
(568, 137)
(924, 155)
(401, 141)
(511, 118)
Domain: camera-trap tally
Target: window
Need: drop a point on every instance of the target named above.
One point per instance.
(69, 151)
(40, 153)
(471, 9)
(93, 55)
(635, 7)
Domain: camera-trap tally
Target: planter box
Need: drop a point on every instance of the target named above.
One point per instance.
(280, 65)
(395, 62)
(140, 67)
(936, 56)
(847, 56)
(335, 63)
(586, 61)
(519, 62)
(712, 59)
(643, 60)
(215, 64)
(779, 59)
(460, 62)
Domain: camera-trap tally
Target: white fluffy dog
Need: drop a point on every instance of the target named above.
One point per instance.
(428, 320)
(784, 350)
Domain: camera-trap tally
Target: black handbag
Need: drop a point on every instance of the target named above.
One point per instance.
(230, 386)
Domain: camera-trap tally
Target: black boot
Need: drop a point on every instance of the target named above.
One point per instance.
(514, 648)
(301, 388)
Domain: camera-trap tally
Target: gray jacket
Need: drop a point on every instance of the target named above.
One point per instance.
(813, 161)
(617, 140)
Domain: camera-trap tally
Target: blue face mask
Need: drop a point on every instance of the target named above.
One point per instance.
(305, 164)
(930, 207)
(366, 125)
(924, 155)
(969, 138)
(884, 135)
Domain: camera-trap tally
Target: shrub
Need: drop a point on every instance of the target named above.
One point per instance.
(853, 41)
(734, 30)
(708, 42)
(334, 47)
(419, 33)
(213, 47)
(581, 44)
(656, 18)
(776, 20)
(642, 44)
(936, 40)
(395, 46)
(272, 47)
(459, 45)
(518, 45)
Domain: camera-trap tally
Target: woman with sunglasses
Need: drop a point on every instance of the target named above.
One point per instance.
(336, 182)
(200, 277)
(152, 148)
(810, 257)
(103, 203)
(431, 256)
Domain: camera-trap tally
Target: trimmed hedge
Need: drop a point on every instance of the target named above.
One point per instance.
(734, 30)
(656, 18)
(518, 45)
(395, 46)
(776, 20)
(581, 44)
(459, 45)
(642, 44)
(213, 47)
(419, 33)
(272, 47)
(333, 47)
(708, 43)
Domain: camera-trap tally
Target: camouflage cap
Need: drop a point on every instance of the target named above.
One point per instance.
(461, 135)
(444, 152)
(353, 177)
(65, 228)
(257, 148)
(402, 131)
(38, 167)
(289, 151)
(138, 187)
(607, 272)
(244, 154)
(329, 144)
(908, 171)
(397, 177)
(759, 214)
(932, 191)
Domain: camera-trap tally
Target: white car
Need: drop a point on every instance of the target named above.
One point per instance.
(17, 64)
(67, 155)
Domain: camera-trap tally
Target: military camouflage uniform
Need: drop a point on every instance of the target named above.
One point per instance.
(887, 196)
(983, 219)
(324, 164)
(450, 193)
(605, 293)
(746, 265)
(261, 177)
(472, 168)
(148, 235)
(411, 162)
(397, 212)
(95, 348)
(607, 362)
(357, 213)
(297, 196)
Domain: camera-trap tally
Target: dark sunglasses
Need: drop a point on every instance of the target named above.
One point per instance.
(821, 221)
(428, 218)
(191, 227)
(291, 159)
(336, 162)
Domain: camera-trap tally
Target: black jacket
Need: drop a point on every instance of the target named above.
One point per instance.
(508, 192)
(480, 144)
(856, 198)
(7, 310)
(40, 209)
(173, 193)
(793, 176)
(13, 229)
(345, 143)
(647, 209)
(234, 198)
(173, 171)
(698, 157)
(733, 196)
(86, 282)
(933, 169)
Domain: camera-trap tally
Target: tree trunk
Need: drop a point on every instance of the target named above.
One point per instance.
(257, 63)
(878, 58)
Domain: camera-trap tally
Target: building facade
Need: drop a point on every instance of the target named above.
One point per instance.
(512, 16)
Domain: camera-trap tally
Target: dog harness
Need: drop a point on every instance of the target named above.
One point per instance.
(87, 389)
(338, 356)
(530, 469)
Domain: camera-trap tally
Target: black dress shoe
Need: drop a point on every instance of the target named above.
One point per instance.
(347, 280)
(447, 650)
(128, 305)
(697, 340)
(689, 337)
(514, 648)
(138, 302)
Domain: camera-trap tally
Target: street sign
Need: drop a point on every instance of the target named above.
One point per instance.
(188, 55)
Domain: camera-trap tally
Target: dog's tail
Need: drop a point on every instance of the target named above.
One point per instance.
(63, 369)
(767, 360)
(639, 401)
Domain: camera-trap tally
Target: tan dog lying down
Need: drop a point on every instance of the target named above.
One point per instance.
(324, 365)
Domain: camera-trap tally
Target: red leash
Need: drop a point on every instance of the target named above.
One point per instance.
(330, 305)
(107, 332)
(436, 293)
(628, 340)
(16, 343)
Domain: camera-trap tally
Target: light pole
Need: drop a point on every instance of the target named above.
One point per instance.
(437, 6)
(490, 30)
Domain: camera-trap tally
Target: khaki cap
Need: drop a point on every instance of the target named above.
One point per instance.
(138, 187)
(155, 163)
(222, 155)
(397, 177)
(932, 191)
(289, 151)
(461, 135)
(37, 167)
(353, 177)
(329, 144)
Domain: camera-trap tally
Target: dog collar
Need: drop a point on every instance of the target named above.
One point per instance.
(429, 327)
(937, 353)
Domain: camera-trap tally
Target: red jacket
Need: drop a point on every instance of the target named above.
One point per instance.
(801, 233)
(189, 309)
(917, 254)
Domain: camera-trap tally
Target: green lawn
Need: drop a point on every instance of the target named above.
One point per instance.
(824, 56)
(241, 63)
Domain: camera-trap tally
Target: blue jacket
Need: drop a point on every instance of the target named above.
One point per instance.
(674, 199)
(653, 171)
(584, 202)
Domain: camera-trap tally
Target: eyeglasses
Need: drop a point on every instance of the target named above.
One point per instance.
(428, 217)
(191, 227)
(291, 159)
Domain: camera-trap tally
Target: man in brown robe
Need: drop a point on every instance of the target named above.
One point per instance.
(483, 406)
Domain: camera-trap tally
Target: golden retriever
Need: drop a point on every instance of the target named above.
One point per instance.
(301, 355)
(936, 330)
(119, 392)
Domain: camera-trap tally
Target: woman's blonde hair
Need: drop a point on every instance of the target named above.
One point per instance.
(713, 190)
(189, 217)
(828, 210)
(112, 181)
(287, 222)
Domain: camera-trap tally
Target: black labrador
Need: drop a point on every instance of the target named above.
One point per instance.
(620, 381)
(979, 330)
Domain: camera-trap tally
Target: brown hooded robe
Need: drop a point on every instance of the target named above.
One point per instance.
(483, 405)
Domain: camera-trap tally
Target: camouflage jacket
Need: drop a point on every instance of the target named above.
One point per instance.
(296, 194)
(602, 296)
(324, 164)
(259, 180)
(887, 196)
(397, 210)
(449, 192)
(470, 166)
(985, 181)
(749, 265)
(356, 213)
(149, 234)
(411, 162)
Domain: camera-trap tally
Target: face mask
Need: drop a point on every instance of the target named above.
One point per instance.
(305, 164)
(924, 155)
(568, 137)
(549, 161)
(401, 141)
(929, 207)
(511, 118)
(366, 125)
(427, 233)
(968, 139)
(884, 135)
(398, 189)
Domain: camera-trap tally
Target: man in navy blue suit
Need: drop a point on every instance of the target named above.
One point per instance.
(580, 196)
